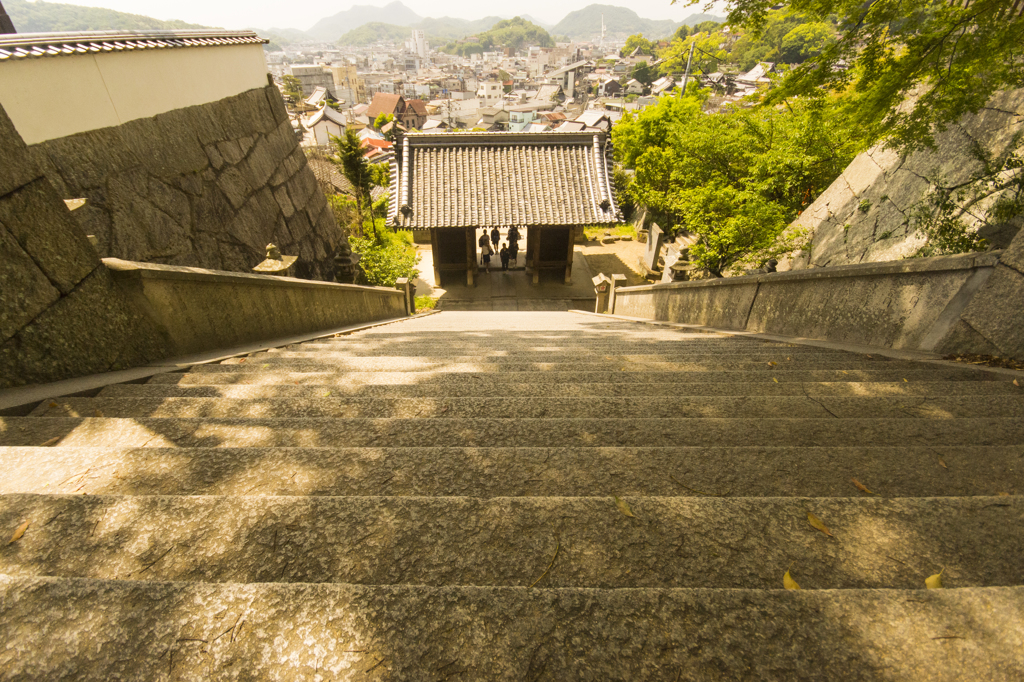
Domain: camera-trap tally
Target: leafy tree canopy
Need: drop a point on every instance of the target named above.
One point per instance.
(951, 56)
(638, 41)
(734, 179)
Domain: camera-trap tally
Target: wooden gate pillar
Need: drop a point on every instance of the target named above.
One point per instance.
(470, 255)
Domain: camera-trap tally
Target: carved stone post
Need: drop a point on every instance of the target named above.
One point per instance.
(408, 289)
(617, 281)
(602, 288)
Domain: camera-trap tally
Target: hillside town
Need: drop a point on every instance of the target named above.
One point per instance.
(572, 87)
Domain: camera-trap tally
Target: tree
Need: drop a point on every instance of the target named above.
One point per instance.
(292, 88)
(947, 57)
(635, 41)
(382, 120)
(356, 170)
(644, 73)
(734, 179)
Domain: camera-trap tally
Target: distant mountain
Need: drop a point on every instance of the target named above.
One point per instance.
(293, 35)
(45, 17)
(619, 22)
(695, 19)
(543, 24)
(395, 13)
(438, 31)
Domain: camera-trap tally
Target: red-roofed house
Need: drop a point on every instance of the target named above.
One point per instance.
(410, 113)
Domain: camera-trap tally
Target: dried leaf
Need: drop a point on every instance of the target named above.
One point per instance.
(934, 582)
(1015, 383)
(905, 381)
(775, 380)
(18, 532)
(1002, 494)
(942, 463)
(326, 395)
(241, 361)
(623, 507)
(789, 583)
(52, 404)
(266, 365)
(819, 524)
(98, 413)
(52, 441)
(861, 487)
(772, 364)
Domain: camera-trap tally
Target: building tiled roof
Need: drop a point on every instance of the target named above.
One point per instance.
(453, 180)
(384, 103)
(30, 45)
(418, 106)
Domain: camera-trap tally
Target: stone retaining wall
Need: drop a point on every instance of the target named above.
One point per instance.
(969, 303)
(202, 310)
(61, 315)
(205, 186)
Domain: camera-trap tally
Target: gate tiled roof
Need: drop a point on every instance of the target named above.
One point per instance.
(449, 180)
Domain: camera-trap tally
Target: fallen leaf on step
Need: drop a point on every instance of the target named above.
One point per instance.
(934, 582)
(789, 583)
(241, 361)
(326, 395)
(772, 364)
(265, 366)
(1002, 494)
(819, 524)
(861, 487)
(905, 381)
(98, 413)
(18, 532)
(943, 464)
(775, 380)
(623, 507)
(52, 441)
(1015, 383)
(55, 404)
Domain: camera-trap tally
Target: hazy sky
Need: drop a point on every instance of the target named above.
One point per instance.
(305, 13)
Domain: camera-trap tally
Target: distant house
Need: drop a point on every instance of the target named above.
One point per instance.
(494, 118)
(662, 85)
(548, 93)
(634, 87)
(324, 123)
(411, 113)
(318, 98)
(609, 88)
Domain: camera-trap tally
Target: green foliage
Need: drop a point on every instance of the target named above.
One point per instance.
(514, 33)
(951, 55)
(644, 73)
(734, 179)
(42, 17)
(353, 166)
(425, 303)
(382, 260)
(638, 41)
(292, 88)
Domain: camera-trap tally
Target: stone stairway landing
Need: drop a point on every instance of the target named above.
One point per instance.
(520, 496)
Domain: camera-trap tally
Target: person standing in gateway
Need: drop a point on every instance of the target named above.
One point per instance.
(495, 238)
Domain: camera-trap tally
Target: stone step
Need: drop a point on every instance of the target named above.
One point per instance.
(682, 407)
(909, 471)
(702, 363)
(559, 346)
(442, 432)
(744, 543)
(487, 388)
(625, 375)
(103, 630)
(496, 356)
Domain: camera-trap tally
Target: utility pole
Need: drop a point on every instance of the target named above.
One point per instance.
(686, 76)
(6, 25)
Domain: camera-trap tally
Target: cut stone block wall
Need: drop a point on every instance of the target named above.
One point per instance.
(205, 186)
(866, 214)
(61, 314)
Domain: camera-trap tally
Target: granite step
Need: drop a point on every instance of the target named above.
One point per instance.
(326, 405)
(511, 346)
(627, 374)
(770, 471)
(502, 356)
(482, 365)
(636, 432)
(740, 543)
(478, 388)
(298, 631)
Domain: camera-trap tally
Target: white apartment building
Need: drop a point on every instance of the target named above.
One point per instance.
(490, 93)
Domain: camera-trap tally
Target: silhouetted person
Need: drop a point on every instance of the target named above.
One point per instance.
(483, 243)
(513, 253)
(504, 257)
(485, 255)
(495, 238)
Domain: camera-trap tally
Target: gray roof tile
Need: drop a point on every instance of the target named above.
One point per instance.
(452, 180)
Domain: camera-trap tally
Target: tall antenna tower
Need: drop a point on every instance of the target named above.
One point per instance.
(602, 29)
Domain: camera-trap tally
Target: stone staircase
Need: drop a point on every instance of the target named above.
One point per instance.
(520, 496)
